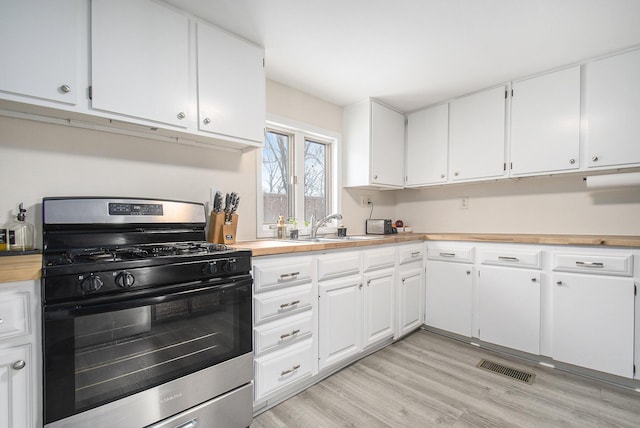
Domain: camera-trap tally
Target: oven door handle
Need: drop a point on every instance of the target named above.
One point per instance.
(66, 310)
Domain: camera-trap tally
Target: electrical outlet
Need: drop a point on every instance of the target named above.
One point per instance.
(365, 200)
(464, 203)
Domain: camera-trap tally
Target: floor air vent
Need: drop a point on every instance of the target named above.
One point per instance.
(507, 371)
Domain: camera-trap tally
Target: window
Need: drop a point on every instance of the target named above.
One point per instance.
(297, 178)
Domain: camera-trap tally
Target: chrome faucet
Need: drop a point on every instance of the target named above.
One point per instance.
(316, 225)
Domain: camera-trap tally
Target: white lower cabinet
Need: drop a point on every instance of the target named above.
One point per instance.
(449, 288)
(509, 308)
(410, 298)
(593, 312)
(20, 375)
(378, 306)
(340, 319)
(284, 339)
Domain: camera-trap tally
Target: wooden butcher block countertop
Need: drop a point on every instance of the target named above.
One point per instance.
(20, 267)
(267, 247)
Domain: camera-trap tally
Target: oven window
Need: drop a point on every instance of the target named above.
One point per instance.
(102, 355)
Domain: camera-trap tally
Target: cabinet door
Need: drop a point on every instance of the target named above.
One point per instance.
(140, 60)
(593, 320)
(39, 47)
(231, 85)
(545, 123)
(387, 146)
(509, 308)
(448, 296)
(340, 319)
(16, 392)
(378, 306)
(410, 307)
(612, 100)
(427, 145)
(476, 136)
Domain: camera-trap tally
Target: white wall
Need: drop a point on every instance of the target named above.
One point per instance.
(38, 160)
(558, 205)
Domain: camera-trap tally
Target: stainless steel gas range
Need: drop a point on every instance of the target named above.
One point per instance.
(144, 323)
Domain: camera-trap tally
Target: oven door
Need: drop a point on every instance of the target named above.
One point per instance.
(101, 351)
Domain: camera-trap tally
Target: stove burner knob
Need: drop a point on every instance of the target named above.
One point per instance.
(210, 268)
(91, 283)
(125, 280)
(230, 266)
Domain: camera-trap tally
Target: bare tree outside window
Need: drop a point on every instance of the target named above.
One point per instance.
(315, 179)
(275, 177)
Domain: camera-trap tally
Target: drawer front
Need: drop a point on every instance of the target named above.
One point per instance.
(452, 254)
(513, 258)
(283, 332)
(281, 302)
(410, 253)
(14, 315)
(339, 264)
(619, 265)
(273, 273)
(378, 259)
(277, 370)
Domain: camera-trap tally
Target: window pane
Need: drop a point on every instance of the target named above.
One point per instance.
(275, 177)
(315, 179)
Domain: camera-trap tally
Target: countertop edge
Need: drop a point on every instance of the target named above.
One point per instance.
(20, 268)
(267, 247)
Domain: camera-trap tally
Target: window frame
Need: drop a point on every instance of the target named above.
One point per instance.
(301, 132)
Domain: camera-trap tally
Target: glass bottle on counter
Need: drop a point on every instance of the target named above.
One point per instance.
(281, 230)
(21, 233)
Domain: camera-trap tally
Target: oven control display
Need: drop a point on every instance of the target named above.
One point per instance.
(135, 209)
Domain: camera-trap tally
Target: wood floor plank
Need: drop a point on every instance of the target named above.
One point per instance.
(430, 380)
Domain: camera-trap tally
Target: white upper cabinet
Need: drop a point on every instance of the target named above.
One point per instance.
(427, 146)
(231, 92)
(612, 109)
(140, 61)
(39, 47)
(545, 123)
(373, 146)
(477, 136)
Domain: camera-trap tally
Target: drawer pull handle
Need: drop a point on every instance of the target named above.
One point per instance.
(19, 365)
(293, 333)
(416, 254)
(286, 305)
(291, 370)
(447, 254)
(508, 259)
(590, 264)
(287, 276)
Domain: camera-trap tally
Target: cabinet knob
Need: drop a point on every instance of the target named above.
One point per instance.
(375, 177)
(360, 286)
(181, 115)
(19, 365)
(456, 173)
(442, 175)
(595, 158)
(1, 320)
(206, 121)
(572, 161)
(65, 88)
(468, 272)
(534, 279)
(559, 283)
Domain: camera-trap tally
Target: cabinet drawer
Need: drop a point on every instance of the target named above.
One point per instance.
(410, 253)
(339, 264)
(452, 254)
(275, 371)
(620, 265)
(378, 259)
(283, 271)
(513, 258)
(14, 315)
(280, 302)
(283, 332)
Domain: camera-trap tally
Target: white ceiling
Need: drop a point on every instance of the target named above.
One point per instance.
(413, 53)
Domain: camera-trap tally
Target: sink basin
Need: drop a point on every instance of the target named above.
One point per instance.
(342, 238)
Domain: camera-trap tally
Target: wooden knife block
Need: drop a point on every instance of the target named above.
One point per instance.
(221, 232)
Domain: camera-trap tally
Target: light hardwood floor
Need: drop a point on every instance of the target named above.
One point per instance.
(429, 380)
